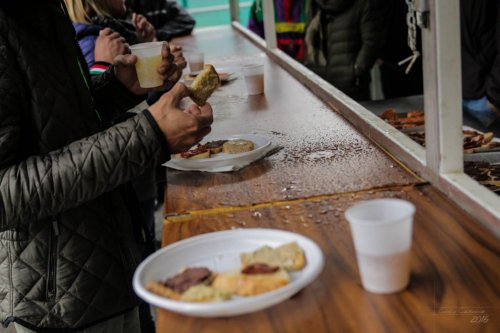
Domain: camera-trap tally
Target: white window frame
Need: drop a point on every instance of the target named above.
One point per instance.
(441, 163)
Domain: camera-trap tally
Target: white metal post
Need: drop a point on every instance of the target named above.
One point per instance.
(234, 7)
(442, 89)
(269, 24)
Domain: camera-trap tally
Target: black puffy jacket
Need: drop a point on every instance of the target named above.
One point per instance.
(478, 21)
(167, 16)
(343, 40)
(68, 244)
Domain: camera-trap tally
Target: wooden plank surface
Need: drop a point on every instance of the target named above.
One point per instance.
(455, 270)
(322, 153)
(323, 168)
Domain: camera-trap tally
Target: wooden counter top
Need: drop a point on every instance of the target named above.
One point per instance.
(321, 154)
(455, 269)
(324, 167)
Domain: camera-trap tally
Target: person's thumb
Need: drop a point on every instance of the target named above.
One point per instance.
(178, 92)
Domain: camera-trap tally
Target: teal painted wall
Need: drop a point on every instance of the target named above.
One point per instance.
(212, 18)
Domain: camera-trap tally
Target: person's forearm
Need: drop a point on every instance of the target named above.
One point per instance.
(46, 185)
(111, 97)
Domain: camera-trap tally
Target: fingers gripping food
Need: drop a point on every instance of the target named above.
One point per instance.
(204, 85)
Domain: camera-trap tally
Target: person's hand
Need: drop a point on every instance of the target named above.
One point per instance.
(179, 58)
(182, 128)
(109, 45)
(179, 61)
(145, 30)
(124, 67)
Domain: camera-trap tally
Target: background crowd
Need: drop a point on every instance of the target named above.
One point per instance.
(342, 40)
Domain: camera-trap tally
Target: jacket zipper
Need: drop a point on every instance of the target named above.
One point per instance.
(51, 270)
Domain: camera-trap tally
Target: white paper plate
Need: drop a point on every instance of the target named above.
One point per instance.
(222, 161)
(194, 73)
(219, 251)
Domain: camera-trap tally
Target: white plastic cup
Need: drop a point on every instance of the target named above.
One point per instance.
(382, 232)
(196, 61)
(148, 60)
(254, 79)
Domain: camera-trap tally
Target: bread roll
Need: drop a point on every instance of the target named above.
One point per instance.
(288, 256)
(159, 289)
(204, 85)
(234, 282)
(237, 146)
(204, 293)
(292, 256)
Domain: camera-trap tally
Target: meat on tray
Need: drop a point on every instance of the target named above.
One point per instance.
(473, 141)
(485, 173)
(411, 119)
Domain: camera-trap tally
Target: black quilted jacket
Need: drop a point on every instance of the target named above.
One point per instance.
(68, 245)
(478, 22)
(343, 40)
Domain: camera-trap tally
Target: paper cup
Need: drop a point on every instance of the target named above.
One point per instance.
(382, 231)
(196, 61)
(254, 79)
(148, 61)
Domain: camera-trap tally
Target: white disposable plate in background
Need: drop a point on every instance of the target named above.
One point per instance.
(222, 160)
(194, 73)
(225, 74)
(219, 251)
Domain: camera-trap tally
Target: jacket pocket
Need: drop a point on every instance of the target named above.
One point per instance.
(52, 260)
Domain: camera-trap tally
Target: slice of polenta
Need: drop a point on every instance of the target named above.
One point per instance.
(204, 85)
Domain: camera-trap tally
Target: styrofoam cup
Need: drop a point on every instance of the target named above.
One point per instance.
(148, 60)
(382, 231)
(196, 61)
(254, 79)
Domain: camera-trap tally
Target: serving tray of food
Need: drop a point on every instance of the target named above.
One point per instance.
(412, 123)
(412, 120)
(485, 169)
(228, 273)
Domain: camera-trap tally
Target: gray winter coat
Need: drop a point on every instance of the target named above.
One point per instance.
(68, 237)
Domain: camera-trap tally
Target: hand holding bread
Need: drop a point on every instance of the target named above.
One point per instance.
(182, 129)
